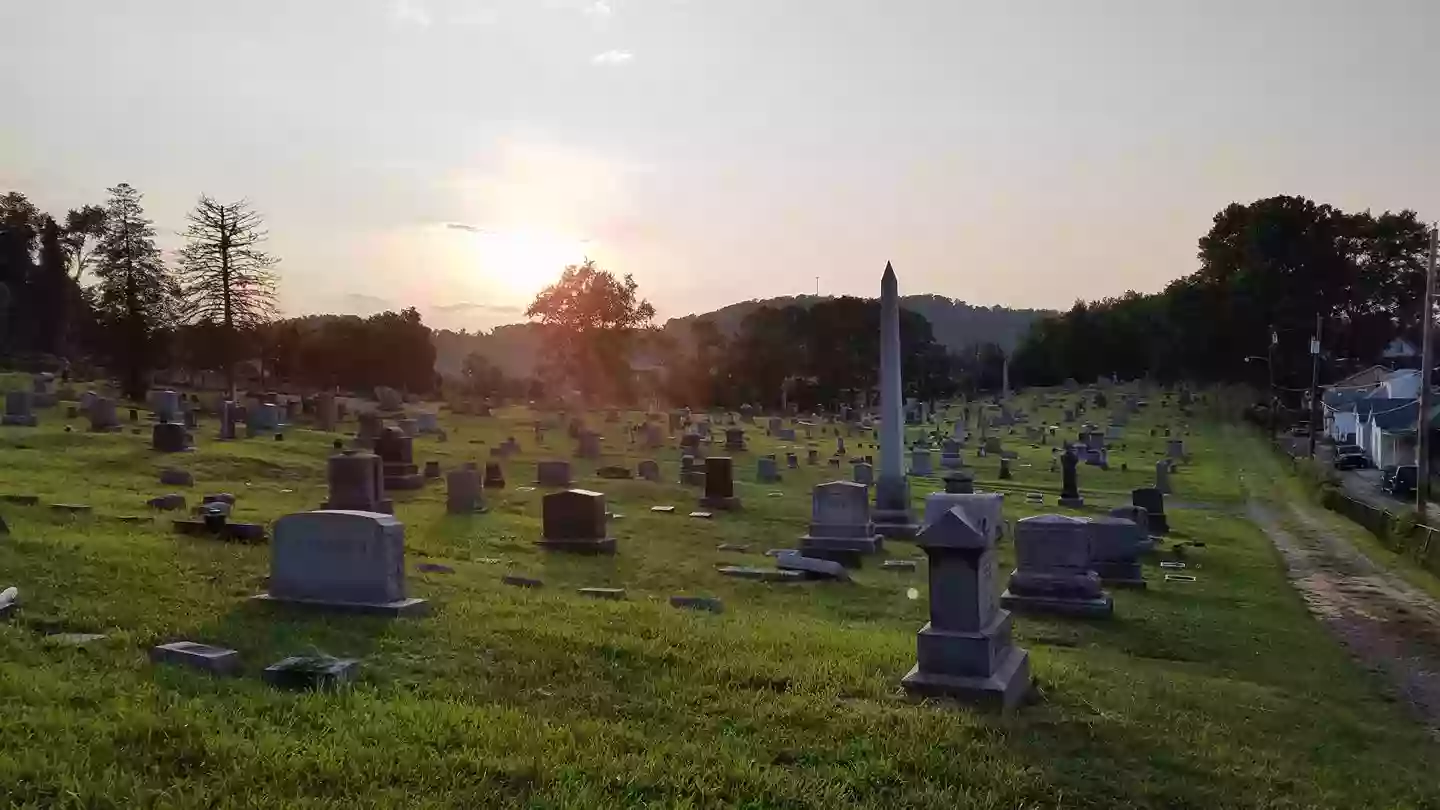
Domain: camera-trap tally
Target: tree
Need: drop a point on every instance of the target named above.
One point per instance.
(19, 226)
(591, 319)
(136, 297)
(226, 276)
(50, 292)
(82, 226)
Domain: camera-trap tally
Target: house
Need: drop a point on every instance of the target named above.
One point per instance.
(1387, 431)
(1402, 384)
(1366, 380)
(1401, 351)
(1339, 409)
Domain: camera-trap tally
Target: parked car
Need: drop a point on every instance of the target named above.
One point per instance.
(1350, 460)
(1402, 483)
(1387, 474)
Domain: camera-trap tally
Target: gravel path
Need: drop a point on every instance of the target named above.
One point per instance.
(1389, 625)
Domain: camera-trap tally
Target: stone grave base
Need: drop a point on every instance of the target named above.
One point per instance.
(1120, 575)
(407, 481)
(386, 506)
(1003, 689)
(895, 523)
(729, 504)
(1100, 607)
(1159, 524)
(693, 478)
(397, 609)
(1072, 503)
(604, 545)
(236, 532)
(848, 551)
(11, 420)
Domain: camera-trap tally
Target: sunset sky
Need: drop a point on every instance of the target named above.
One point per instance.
(454, 155)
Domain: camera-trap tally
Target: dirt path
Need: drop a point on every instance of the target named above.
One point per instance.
(1390, 626)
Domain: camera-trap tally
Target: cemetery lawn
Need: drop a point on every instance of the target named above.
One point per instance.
(1219, 693)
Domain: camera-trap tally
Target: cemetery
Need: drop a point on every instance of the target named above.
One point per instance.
(928, 633)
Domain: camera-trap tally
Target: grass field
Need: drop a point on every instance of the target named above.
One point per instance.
(1218, 693)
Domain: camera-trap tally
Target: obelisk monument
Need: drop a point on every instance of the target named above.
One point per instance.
(892, 489)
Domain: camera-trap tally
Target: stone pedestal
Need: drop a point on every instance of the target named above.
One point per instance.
(1053, 573)
(734, 440)
(719, 484)
(1153, 502)
(840, 526)
(397, 456)
(965, 651)
(463, 494)
(575, 520)
(984, 510)
(958, 483)
(892, 515)
(1069, 483)
(356, 482)
(340, 560)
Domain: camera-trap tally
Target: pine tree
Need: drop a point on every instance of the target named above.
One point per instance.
(136, 297)
(228, 280)
(50, 295)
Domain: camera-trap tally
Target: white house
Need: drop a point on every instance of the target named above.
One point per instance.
(1402, 384)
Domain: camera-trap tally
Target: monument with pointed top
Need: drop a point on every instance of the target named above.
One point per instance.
(892, 515)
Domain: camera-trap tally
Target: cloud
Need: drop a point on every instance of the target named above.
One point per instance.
(363, 301)
(466, 306)
(599, 10)
(612, 58)
(465, 226)
(411, 12)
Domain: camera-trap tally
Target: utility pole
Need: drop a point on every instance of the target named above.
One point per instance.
(1314, 379)
(1427, 362)
(1270, 369)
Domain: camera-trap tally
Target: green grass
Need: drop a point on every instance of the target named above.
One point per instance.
(1220, 693)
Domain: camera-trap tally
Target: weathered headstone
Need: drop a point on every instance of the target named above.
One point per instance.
(552, 474)
(463, 493)
(734, 439)
(649, 470)
(1053, 571)
(766, 471)
(965, 650)
(1069, 481)
(1153, 502)
(341, 560)
(1115, 548)
(169, 437)
(920, 463)
(494, 475)
(984, 510)
(18, 409)
(840, 524)
(396, 451)
(719, 484)
(958, 482)
(356, 482)
(1162, 476)
(862, 473)
(575, 520)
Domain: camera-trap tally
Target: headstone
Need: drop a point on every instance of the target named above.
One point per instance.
(1069, 482)
(494, 475)
(1153, 502)
(984, 510)
(920, 463)
(263, 417)
(427, 422)
(1115, 548)
(463, 494)
(840, 526)
(389, 398)
(1162, 476)
(341, 560)
(1053, 569)
(862, 473)
(958, 482)
(766, 471)
(734, 439)
(552, 474)
(409, 426)
(965, 651)
(216, 660)
(432, 470)
(1136, 515)
(169, 437)
(950, 457)
(167, 406)
(177, 478)
(369, 425)
(103, 417)
(649, 470)
(327, 413)
(719, 484)
(1004, 474)
(396, 451)
(18, 405)
(356, 482)
(574, 520)
(812, 456)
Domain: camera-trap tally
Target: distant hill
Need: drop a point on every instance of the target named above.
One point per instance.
(514, 348)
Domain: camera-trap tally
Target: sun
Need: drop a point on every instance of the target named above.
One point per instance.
(523, 261)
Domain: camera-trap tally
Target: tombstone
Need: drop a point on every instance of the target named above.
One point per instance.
(766, 471)
(1004, 474)
(773, 425)
(369, 425)
(651, 436)
(463, 494)
(262, 418)
(408, 426)
(965, 651)
(167, 405)
(986, 511)
(690, 444)
(341, 560)
(356, 483)
(427, 422)
(840, 525)
(42, 390)
(747, 414)
(992, 444)
(1069, 482)
(1153, 502)
(649, 470)
(1136, 515)
(389, 398)
(169, 437)
(734, 439)
(1162, 476)
(396, 451)
(574, 520)
(839, 445)
(1053, 570)
(1174, 448)
(587, 445)
(958, 482)
(327, 412)
(812, 456)
(432, 470)
(494, 476)
(676, 422)
(18, 406)
(863, 473)
(719, 484)
(1115, 548)
(103, 417)
(792, 461)
(920, 463)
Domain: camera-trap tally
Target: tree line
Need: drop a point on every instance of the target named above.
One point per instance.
(96, 289)
(1268, 272)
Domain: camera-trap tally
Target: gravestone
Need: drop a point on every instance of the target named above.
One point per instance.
(691, 475)
(992, 444)
(169, 437)
(1162, 476)
(587, 445)
(1136, 515)
(950, 457)
(1115, 548)
(463, 494)
(773, 425)
(103, 417)
(1069, 481)
(812, 456)
(396, 451)
(984, 510)
(1153, 502)
(427, 422)
(863, 473)
(965, 651)
(1175, 448)
(652, 437)
(649, 470)
(719, 484)
(341, 560)
(263, 417)
(369, 425)
(18, 409)
(167, 406)
(389, 398)
(494, 475)
(1004, 474)
(920, 463)
(574, 520)
(408, 426)
(840, 525)
(327, 411)
(356, 483)
(786, 434)
(766, 471)
(42, 389)
(792, 461)
(1053, 571)
(552, 474)
(734, 439)
(958, 482)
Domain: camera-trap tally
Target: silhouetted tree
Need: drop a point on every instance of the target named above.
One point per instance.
(591, 319)
(136, 296)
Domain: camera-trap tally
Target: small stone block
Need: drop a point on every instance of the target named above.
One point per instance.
(72, 508)
(1171, 564)
(702, 515)
(665, 509)
(603, 593)
(1180, 578)
(21, 500)
(397, 609)
(219, 660)
(299, 672)
(521, 582)
(1102, 607)
(731, 547)
(761, 574)
(899, 565)
(776, 552)
(707, 603)
(434, 568)
(74, 639)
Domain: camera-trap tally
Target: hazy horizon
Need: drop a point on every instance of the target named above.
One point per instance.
(456, 155)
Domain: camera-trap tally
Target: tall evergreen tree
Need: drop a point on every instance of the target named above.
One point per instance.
(18, 223)
(136, 296)
(50, 291)
(227, 278)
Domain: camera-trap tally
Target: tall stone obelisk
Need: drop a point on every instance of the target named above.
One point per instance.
(892, 489)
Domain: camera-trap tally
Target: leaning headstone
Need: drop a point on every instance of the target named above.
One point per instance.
(965, 651)
(1053, 570)
(356, 482)
(18, 405)
(1153, 502)
(719, 484)
(169, 437)
(463, 493)
(840, 526)
(552, 474)
(340, 560)
(574, 520)
(1069, 482)
(812, 567)
(1115, 548)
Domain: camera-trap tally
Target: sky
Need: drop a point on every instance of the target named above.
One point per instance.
(455, 155)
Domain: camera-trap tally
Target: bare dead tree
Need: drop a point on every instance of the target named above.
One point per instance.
(227, 278)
